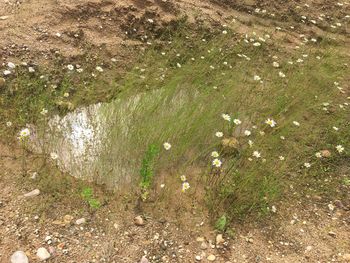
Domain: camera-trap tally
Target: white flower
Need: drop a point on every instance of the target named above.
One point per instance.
(8, 124)
(215, 154)
(185, 186)
(100, 69)
(281, 74)
(307, 165)
(217, 163)
(53, 155)
(257, 44)
(219, 134)
(183, 178)
(162, 185)
(79, 70)
(237, 121)
(318, 155)
(226, 117)
(224, 32)
(31, 69)
(275, 64)
(331, 207)
(66, 95)
(340, 148)
(70, 67)
(178, 65)
(250, 142)
(256, 154)
(24, 133)
(281, 158)
(43, 112)
(11, 65)
(270, 122)
(335, 128)
(247, 133)
(167, 146)
(296, 123)
(282, 138)
(257, 78)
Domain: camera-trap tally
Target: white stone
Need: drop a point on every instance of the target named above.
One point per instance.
(80, 221)
(19, 257)
(211, 257)
(32, 193)
(43, 254)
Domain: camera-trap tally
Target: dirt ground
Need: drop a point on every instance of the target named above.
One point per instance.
(307, 228)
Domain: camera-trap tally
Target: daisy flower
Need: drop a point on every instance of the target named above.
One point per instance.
(24, 133)
(247, 133)
(215, 154)
(340, 148)
(226, 117)
(217, 162)
(185, 186)
(70, 67)
(219, 134)
(296, 123)
(307, 165)
(44, 111)
(237, 121)
(53, 155)
(183, 178)
(270, 122)
(100, 69)
(256, 154)
(167, 146)
(318, 155)
(281, 158)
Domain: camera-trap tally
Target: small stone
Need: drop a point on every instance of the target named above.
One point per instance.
(211, 257)
(33, 193)
(198, 258)
(139, 221)
(19, 257)
(144, 260)
(219, 239)
(204, 245)
(332, 234)
(326, 153)
(80, 221)
(200, 239)
(43, 254)
(3, 17)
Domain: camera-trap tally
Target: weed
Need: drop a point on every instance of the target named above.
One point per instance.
(147, 169)
(88, 195)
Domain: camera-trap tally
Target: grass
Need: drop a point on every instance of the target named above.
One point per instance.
(171, 97)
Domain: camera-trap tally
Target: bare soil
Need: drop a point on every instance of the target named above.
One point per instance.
(304, 228)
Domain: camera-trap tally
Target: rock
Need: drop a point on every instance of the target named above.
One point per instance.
(326, 153)
(200, 239)
(2, 82)
(80, 221)
(219, 239)
(3, 17)
(211, 257)
(139, 221)
(32, 193)
(198, 258)
(19, 257)
(144, 260)
(43, 254)
(204, 245)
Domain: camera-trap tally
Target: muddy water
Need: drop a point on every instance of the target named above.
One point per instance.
(105, 142)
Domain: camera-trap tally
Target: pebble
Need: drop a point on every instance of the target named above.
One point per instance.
(211, 257)
(80, 221)
(198, 258)
(144, 260)
(33, 193)
(204, 245)
(326, 153)
(19, 257)
(139, 221)
(43, 254)
(219, 239)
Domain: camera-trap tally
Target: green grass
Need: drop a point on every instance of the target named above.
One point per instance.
(179, 105)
